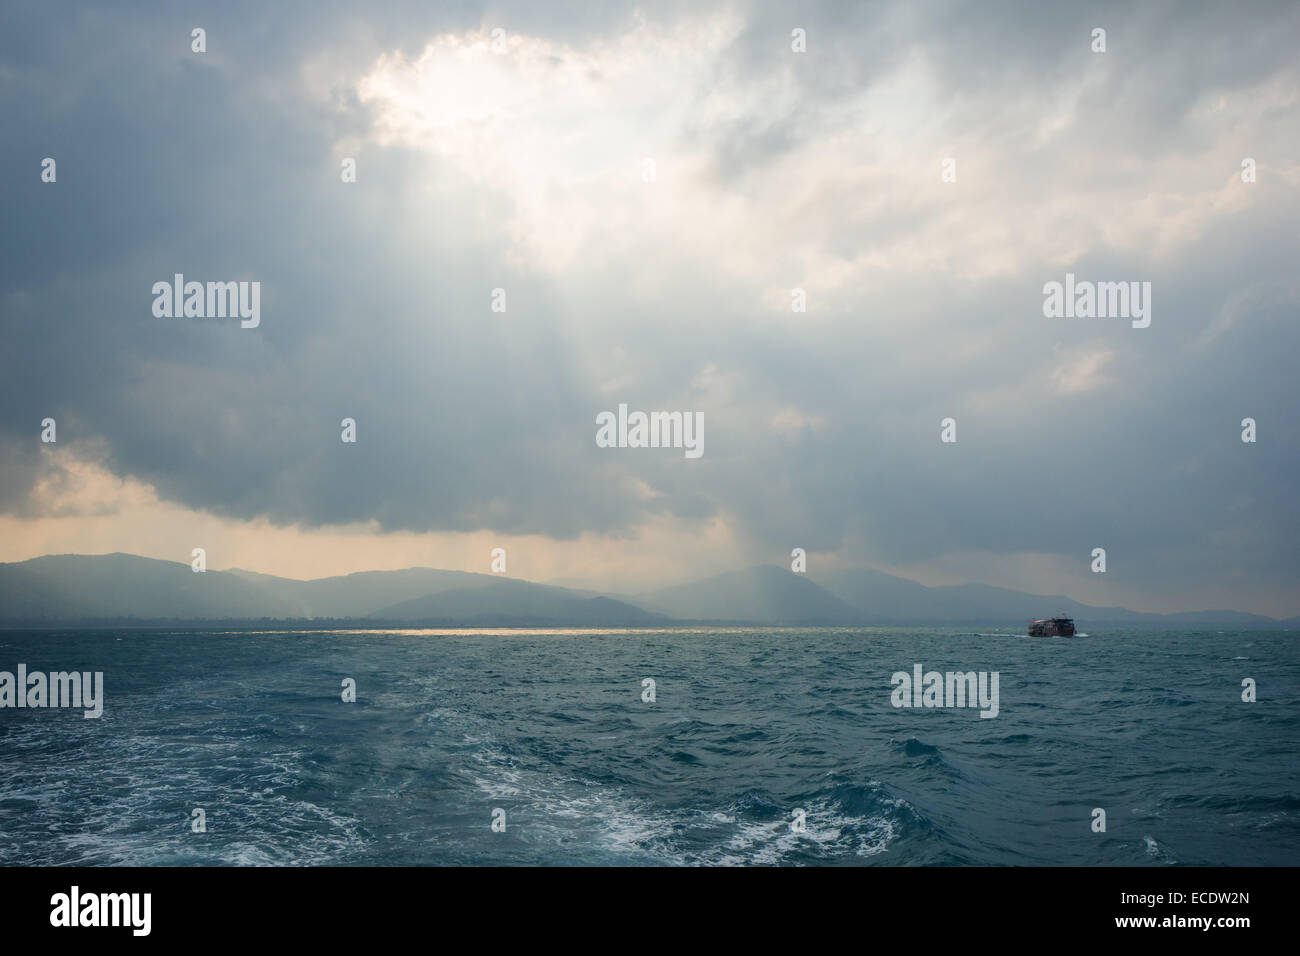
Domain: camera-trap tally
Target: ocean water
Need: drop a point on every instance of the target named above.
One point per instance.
(748, 725)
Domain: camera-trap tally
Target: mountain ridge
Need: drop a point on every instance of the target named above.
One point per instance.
(119, 587)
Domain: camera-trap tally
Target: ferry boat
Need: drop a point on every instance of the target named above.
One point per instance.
(1052, 627)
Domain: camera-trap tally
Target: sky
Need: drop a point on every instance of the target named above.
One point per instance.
(648, 184)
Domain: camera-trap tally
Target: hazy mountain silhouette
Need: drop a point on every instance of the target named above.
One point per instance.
(363, 593)
(886, 599)
(119, 588)
(501, 600)
(113, 587)
(766, 594)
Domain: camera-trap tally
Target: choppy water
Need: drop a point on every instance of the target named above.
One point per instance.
(748, 725)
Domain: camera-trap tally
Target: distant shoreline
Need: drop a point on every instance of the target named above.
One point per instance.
(253, 625)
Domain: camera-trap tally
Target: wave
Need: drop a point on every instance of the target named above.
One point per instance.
(844, 823)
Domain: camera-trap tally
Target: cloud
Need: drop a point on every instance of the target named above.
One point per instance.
(1082, 369)
(525, 170)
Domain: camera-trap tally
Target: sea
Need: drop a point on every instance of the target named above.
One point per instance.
(675, 747)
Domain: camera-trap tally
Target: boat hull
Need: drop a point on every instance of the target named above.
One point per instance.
(1052, 627)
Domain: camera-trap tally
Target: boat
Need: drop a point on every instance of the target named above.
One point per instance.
(1052, 627)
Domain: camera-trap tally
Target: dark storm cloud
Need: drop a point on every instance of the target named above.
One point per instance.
(375, 296)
